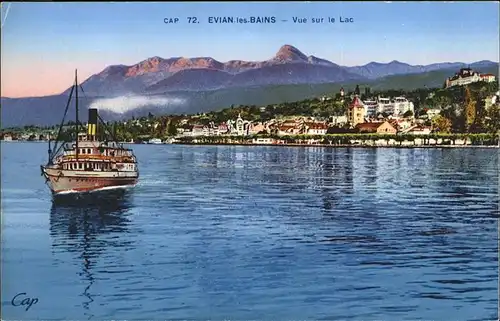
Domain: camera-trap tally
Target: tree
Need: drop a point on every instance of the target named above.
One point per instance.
(127, 136)
(481, 114)
(408, 113)
(470, 109)
(441, 101)
(171, 129)
(492, 119)
(441, 124)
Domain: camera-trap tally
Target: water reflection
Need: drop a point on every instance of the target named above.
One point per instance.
(87, 226)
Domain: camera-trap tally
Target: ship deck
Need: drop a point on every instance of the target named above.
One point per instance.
(56, 171)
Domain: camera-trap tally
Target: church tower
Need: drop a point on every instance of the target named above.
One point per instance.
(356, 112)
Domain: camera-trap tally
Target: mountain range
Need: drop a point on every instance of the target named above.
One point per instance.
(288, 66)
(182, 85)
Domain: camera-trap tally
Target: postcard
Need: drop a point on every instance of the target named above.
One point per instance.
(250, 160)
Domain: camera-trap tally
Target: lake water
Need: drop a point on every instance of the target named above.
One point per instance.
(267, 233)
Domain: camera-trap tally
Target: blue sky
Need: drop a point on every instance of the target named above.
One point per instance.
(49, 40)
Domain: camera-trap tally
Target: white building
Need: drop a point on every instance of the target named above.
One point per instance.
(371, 108)
(468, 76)
(264, 141)
(198, 130)
(339, 120)
(239, 127)
(385, 105)
(402, 124)
(402, 105)
(316, 128)
(395, 107)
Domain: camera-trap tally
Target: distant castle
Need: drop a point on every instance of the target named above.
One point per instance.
(467, 76)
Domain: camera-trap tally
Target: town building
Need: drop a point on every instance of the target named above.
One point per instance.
(385, 106)
(288, 130)
(7, 137)
(400, 123)
(402, 106)
(238, 127)
(356, 111)
(316, 128)
(256, 128)
(371, 108)
(376, 127)
(338, 120)
(198, 130)
(467, 76)
(264, 141)
(397, 106)
(301, 125)
(417, 130)
(185, 130)
(492, 100)
(223, 129)
(488, 77)
(241, 126)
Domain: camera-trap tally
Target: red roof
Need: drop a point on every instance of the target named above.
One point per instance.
(356, 102)
(373, 125)
(286, 128)
(316, 125)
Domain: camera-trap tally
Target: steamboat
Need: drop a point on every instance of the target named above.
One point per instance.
(91, 160)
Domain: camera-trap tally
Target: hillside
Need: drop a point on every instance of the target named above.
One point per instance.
(431, 79)
(49, 110)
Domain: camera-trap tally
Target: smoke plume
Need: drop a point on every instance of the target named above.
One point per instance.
(123, 104)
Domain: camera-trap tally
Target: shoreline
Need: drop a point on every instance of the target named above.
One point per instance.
(302, 145)
(340, 146)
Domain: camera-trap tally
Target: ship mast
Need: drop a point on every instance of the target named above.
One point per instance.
(76, 107)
